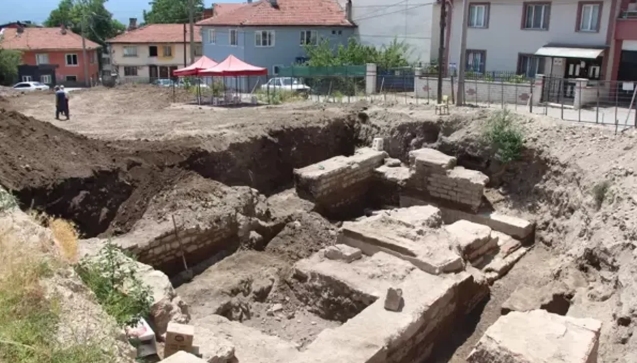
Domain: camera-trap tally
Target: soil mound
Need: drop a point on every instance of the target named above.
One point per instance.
(36, 154)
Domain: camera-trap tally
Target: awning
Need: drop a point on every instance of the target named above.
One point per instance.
(564, 52)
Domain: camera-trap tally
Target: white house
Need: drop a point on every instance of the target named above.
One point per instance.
(560, 38)
(414, 22)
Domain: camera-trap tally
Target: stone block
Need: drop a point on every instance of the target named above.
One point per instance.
(471, 239)
(538, 337)
(555, 298)
(212, 347)
(178, 337)
(342, 252)
(183, 357)
(394, 299)
(430, 158)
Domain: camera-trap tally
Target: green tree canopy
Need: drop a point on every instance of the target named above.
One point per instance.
(100, 24)
(325, 55)
(9, 62)
(170, 11)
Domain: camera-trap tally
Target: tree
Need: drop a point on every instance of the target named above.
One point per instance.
(324, 55)
(99, 22)
(171, 11)
(9, 62)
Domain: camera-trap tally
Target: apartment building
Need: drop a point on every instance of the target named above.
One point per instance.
(558, 38)
(153, 51)
(625, 42)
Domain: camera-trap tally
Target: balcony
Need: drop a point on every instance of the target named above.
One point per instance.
(626, 28)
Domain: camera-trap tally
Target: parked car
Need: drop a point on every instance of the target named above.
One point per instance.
(31, 86)
(286, 83)
(164, 82)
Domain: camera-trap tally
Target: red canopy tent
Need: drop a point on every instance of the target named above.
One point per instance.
(233, 66)
(194, 69)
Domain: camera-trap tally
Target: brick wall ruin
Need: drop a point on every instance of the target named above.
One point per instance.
(437, 175)
(337, 184)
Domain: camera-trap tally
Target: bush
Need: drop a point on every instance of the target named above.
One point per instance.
(7, 201)
(114, 282)
(504, 137)
(278, 96)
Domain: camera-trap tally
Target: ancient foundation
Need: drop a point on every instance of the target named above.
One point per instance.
(538, 336)
(338, 185)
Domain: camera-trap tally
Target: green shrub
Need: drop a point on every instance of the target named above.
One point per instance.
(504, 137)
(114, 281)
(7, 201)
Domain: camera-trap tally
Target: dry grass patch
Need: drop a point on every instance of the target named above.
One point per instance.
(29, 318)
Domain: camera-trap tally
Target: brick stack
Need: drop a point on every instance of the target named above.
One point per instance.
(437, 174)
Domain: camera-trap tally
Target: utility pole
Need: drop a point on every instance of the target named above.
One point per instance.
(85, 59)
(441, 49)
(463, 53)
(191, 15)
(185, 58)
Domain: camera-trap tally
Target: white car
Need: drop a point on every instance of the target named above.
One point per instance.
(31, 86)
(286, 83)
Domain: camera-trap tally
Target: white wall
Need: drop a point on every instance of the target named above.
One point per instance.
(412, 21)
(504, 39)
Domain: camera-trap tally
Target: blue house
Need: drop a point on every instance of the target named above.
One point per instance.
(272, 33)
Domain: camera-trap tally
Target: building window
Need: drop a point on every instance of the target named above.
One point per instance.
(589, 16)
(234, 37)
(264, 38)
(130, 51)
(335, 32)
(167, 51)
(476, 60)
(276, 69)
(70, 78)
(198, 50)
(309, 37)
(212, 36)
(27, 78)
(478, 15)
(93, 57)
(530, 65)
(130, 71)
(46, 79)
(71, 59)
(42, 59)
(536, 16)
(152, 51)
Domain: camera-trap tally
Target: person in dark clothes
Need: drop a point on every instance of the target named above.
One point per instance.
(57, 103)
(61, 103)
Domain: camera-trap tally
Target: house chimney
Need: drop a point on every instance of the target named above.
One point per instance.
(132, 23)
(249, 1)
(348, 11)
(62, 29)
(19, 28)
(274, 4)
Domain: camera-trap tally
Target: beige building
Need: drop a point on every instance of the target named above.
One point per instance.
(151, 52)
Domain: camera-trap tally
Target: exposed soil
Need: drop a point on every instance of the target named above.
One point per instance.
(104, 185)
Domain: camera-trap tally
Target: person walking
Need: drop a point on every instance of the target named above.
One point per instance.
(61, 103)
(66, 102)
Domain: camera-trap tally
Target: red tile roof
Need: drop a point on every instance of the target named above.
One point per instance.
(286, 13)
(225, 8)
(43, 39)
(156, 33)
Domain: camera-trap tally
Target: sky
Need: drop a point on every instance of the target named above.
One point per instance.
(38, 10)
